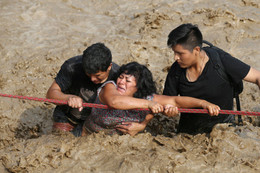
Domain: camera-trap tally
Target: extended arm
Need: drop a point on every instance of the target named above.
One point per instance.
(179, 101)
(54, 92)
(111, 97)
(253, 76)
(187, 102)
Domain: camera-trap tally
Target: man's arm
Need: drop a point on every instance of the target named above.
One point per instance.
(54, 92)
(187, 102)
(253, 76)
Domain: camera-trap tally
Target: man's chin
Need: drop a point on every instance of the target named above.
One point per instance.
(182, 66)
(96, 82)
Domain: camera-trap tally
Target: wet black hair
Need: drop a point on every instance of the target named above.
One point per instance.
(144, 78)
(187, 35)
(96, 57)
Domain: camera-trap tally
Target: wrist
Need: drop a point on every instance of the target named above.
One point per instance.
(203, 104)
(149, 103)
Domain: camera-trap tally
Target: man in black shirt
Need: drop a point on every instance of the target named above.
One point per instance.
(78, 81)
(193, 74)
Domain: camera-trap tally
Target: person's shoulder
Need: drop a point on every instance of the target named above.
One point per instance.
(215, 52)
(107, 83)
(115, 67)
(73, 62)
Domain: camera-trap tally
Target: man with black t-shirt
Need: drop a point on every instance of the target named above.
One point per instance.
(78, 81)
(193, 74)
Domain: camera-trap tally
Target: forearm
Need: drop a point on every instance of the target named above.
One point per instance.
(126, 102)
(189, 102)
(56, 94)
(179, 101)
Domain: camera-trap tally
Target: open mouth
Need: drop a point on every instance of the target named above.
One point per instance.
(119, 89)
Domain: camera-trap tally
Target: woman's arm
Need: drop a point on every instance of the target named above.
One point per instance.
(111, 97)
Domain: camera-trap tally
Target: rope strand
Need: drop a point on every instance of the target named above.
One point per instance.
(182, 110)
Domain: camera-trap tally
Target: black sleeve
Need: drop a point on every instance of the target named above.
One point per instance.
(64, 76)
(171, 83)
(235, 68)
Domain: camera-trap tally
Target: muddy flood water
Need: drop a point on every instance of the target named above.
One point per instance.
(36, 37)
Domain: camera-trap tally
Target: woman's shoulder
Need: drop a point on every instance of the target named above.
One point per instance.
(107, 82)
(104, 84)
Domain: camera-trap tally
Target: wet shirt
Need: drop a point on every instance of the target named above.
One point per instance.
(72, 80)
(107, 119)
(209, 86)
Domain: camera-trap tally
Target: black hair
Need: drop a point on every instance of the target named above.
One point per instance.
(144, 78)
(187, 35)
(96, 57)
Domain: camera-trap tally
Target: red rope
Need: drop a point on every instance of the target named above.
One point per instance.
(182, 110)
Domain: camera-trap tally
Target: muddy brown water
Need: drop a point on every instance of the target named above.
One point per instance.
(36, 37)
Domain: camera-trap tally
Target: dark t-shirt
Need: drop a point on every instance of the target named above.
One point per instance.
(72, 80)
(209, 86)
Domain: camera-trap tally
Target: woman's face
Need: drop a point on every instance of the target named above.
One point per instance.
(126, 84)
(183, 56)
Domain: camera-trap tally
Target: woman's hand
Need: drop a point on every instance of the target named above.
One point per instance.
(170, 110)
(155, 107)
(212, 108)
(131, 128)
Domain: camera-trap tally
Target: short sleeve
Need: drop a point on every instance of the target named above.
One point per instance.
(64, 77)
(235, 68)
